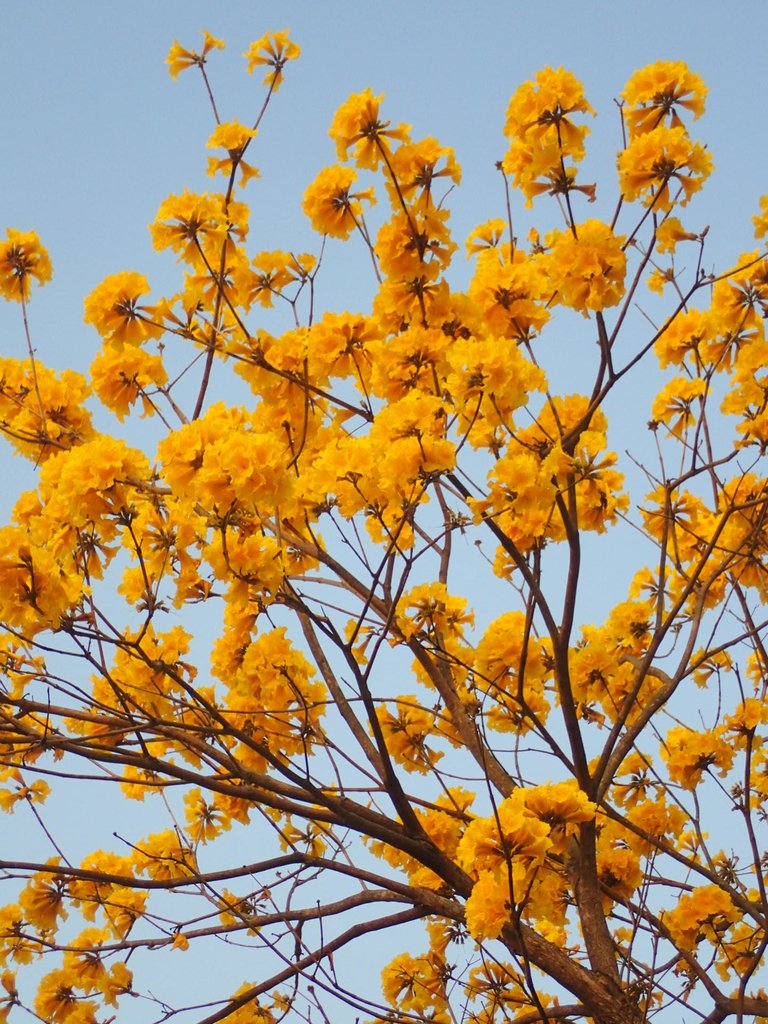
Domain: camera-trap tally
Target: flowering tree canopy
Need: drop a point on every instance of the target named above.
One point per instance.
(266, 617)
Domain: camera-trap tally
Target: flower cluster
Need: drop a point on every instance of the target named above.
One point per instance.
(546, 142)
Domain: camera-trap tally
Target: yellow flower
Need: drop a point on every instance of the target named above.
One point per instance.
(543, 135)
(485, 236)
(234, 137)
(673, 404)
(496, 667)
(87, 971)
(415, 167)
(113, 308)
(704, 913)
(56, 1000)
(270, 273)
(272, 50)
(562, 806)
(122, 908)
(541, 110)
(416, 986)
(64, 420)
(164, 855)
(11, 999)
(658, 819)
(740, 299)
(14, 944)
(339, 345)
(42, 900)
(670, 232)
(204, 820)
(36, 792)
(659, 278)
(588, 269)
(357, 126)
(618, 867)
(330, 205)
(488, 907)
(179, 59)
(524, 839)
(36, 589)
(192, 225)
(406, 734)
(656, 91)
(22, 258)
(710, 669)
(653, 161)
(760, 220)
(512, 295)
(413, 360)
(417, 245)
(122, 377)
(685, 337)
(689, 754)
(412, 432)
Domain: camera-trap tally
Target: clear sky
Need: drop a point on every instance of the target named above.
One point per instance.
(96, 134)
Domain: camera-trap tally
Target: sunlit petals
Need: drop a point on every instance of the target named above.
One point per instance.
(193, 225)
(43, 412)
(358, 126)
(674, 404)
(331, 205)
(654, 93)
(179, 59)
(22, 260)
(588, 267)
(121, 377)
(234, 138)
(513, 296)
(655, 161)
(543, 138)
(417, 167)
(486, 236)
(273, 51)
(114, 309)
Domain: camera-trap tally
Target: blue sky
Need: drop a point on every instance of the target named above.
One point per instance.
(96, 134)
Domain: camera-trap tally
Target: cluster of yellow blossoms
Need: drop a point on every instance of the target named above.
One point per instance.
(332, 502)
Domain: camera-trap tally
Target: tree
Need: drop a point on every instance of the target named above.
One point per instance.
(262, 621)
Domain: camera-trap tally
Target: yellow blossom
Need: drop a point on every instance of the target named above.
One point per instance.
(272, 50)
(588, 267)
(22, 260)
(333, 209)
(543, 134)
(703, 914)
(406, 733)
(673, 405)
(485, 236)
(358, 126)
(195, 226)
(121, 377)
(656, 91)
(416, 167)
(234, 138)
(760, 220)
(179, 59)
(114, 309)
(689, 754)
(670, 232)
(653, 162)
